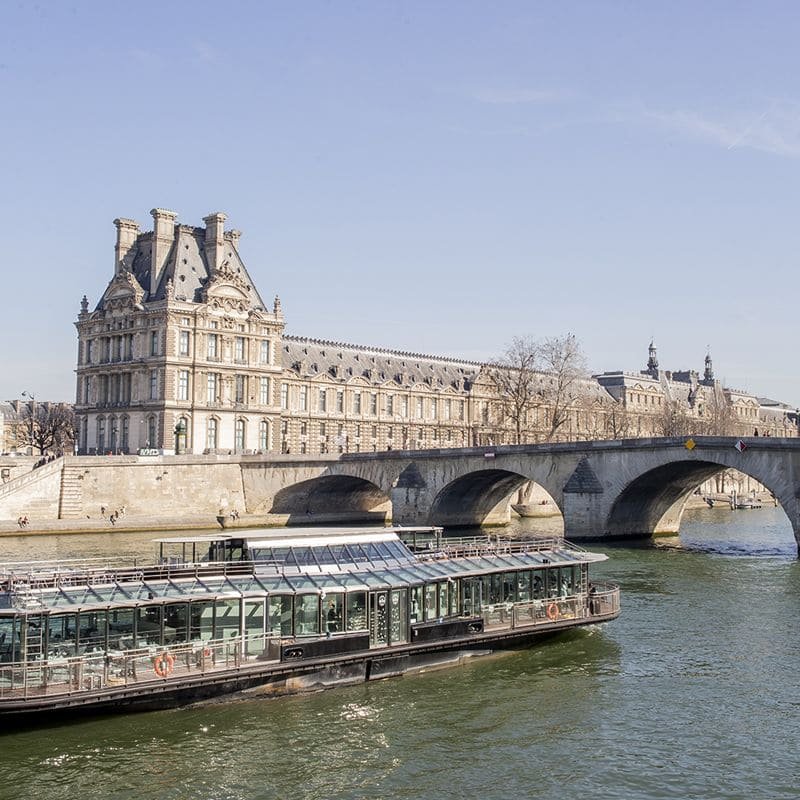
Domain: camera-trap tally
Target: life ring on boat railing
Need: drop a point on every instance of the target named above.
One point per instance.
(163, 665)
(206, 652)
(552, 612)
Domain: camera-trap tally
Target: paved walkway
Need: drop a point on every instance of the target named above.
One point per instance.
(128, 523)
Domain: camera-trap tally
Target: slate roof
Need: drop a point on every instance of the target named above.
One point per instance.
(376, 366)
(186, 266)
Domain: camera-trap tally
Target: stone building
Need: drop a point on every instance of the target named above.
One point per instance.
(181, 354)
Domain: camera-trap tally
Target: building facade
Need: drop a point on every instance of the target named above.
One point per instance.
(181, 354)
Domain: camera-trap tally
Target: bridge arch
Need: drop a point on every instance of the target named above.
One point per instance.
(476, 498)
(653, 502)
(333, 496)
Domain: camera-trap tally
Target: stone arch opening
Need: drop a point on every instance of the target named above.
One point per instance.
(653, 503)
(334, 497)
(532, 500)
(477, 498)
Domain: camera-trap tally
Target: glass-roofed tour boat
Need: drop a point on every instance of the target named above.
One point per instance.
(278, 611)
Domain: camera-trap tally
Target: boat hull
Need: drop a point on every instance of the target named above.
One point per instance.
(290, 675)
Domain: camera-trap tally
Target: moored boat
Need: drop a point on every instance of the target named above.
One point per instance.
(277, 612)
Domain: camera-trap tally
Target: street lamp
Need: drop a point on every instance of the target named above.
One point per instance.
(31, 418)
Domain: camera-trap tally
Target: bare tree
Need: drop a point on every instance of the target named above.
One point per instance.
(618, 420)
(720, 415)
(539, 373)
(48, 426)
(516, 382)
(674, 421)
(564, 364)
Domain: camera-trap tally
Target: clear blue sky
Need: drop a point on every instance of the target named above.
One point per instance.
(436, 177)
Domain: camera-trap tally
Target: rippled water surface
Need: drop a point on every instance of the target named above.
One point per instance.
(692, 693)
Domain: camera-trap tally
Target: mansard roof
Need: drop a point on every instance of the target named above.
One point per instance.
(186, 273)
(375, 365)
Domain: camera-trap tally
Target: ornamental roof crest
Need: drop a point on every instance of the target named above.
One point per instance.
(226, 289)
(123, 291)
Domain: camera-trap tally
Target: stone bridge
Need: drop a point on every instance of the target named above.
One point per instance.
(605, 489)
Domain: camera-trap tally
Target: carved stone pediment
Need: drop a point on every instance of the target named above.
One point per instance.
(226, 290)
(123, 292)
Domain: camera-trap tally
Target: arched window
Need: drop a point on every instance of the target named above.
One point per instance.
(263, 435)
(101, 434)
(114, 431)
(124, 433)
(211, 433)
(239, 435)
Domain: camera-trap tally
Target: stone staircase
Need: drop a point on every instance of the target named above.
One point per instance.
(71, 499)
(34, 506)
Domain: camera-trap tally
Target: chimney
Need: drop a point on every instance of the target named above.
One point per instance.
(127, 233)
(215, 244)
(163, 237)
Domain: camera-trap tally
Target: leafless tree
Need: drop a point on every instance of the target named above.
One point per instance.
(48, 427)
(564, 364)
(516, 382)
(539, 374)
(721, 420)
(674, 421)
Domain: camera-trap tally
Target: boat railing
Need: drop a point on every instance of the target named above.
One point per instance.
(29, 577)
(465, 547)
(104, 670)
(601, 601)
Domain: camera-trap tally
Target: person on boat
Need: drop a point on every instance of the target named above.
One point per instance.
(333, 618)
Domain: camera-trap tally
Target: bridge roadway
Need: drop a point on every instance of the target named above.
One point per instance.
(604, 489)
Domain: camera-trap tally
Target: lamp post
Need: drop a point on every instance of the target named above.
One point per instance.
(31, 418)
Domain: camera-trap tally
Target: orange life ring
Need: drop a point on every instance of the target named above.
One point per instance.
(206, 652)
(163, 665)
(552, 611)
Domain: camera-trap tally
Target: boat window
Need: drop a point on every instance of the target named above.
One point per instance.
(495, 592)
(454, 604)
(201, 620)
(471, 588)
(357, 611)
(7, 639)
(286, 614)
(303, 556)
(274, 615)
(254, 626)
(228, 619)
(120, 629)
(374, 553)
(416, 603)
(443, 604)
(32, 647)
(334, 606)
(61, 635)
(398, 615)
(524, 586)
(92, 631)
(430, 601)
(176, 622)
(509, 590)
(537, 585)
(306, 614)
(148, 625)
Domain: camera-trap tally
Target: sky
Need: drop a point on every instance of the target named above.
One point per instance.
(435, 177)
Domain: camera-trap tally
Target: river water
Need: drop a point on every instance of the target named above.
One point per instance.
(692, 693)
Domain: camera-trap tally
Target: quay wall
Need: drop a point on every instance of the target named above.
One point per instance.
(78, 487)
